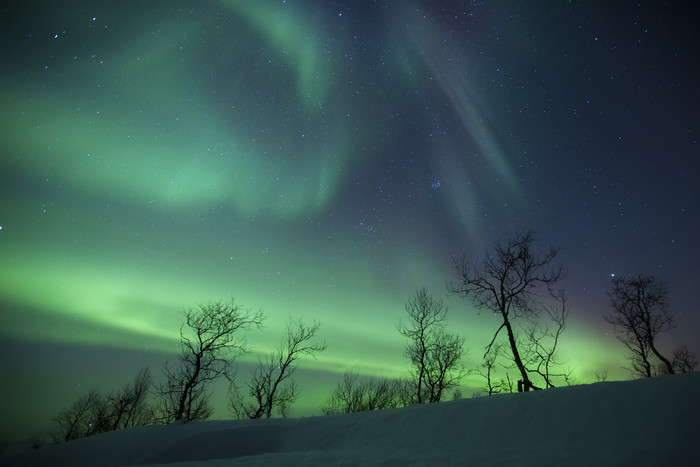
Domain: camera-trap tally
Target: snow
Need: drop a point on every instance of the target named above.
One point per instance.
(642, 422)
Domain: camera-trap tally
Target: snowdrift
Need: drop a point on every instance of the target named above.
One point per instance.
(642, 422)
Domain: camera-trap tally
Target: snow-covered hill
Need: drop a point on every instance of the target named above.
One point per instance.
(642, 422)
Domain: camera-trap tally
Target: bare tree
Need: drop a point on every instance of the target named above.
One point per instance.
(36, 441)
(511, 282)
(128, 407)
(270, 387)
(684, 361)
(85, 417)
(210, 340)
(433, 352)
(488, 369)
(541, 341)
(356, 394)
(639, 314)
(93, 413)
(444, 371)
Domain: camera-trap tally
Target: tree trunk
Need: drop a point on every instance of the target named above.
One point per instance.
(526, 383)
(421, 374)
(187, 392)
(664, 360)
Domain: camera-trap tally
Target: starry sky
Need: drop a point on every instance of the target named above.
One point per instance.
(324, 159)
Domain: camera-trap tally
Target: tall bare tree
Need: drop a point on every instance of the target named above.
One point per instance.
(270, 388)
(433, 352)
(512, 282)
(210, 340)
(639, 314)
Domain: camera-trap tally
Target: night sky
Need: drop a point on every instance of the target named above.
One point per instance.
(325, 159)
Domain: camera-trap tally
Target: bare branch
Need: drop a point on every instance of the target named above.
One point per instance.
(512, 282)
(269, 387)
(434, 353)
(639, 314)
(211, 339)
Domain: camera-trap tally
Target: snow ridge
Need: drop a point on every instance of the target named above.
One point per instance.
(642, 422)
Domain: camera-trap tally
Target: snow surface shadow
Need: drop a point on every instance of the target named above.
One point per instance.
(248, 440)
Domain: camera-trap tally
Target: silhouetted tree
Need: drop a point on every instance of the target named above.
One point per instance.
(210, 340)
(488, 368)
(270, 388)
(85, 417)
(511, 282)
(639, 314)
(128, 407)
(94, 413)
(684, 361)
(356, 394)
(36, 441)
(541, 341)
(433, 352)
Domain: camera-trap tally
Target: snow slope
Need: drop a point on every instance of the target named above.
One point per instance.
(642, 422)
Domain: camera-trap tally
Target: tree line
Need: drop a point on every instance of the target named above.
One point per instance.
(519, 286)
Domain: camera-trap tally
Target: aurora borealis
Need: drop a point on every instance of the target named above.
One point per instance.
(325, 159)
